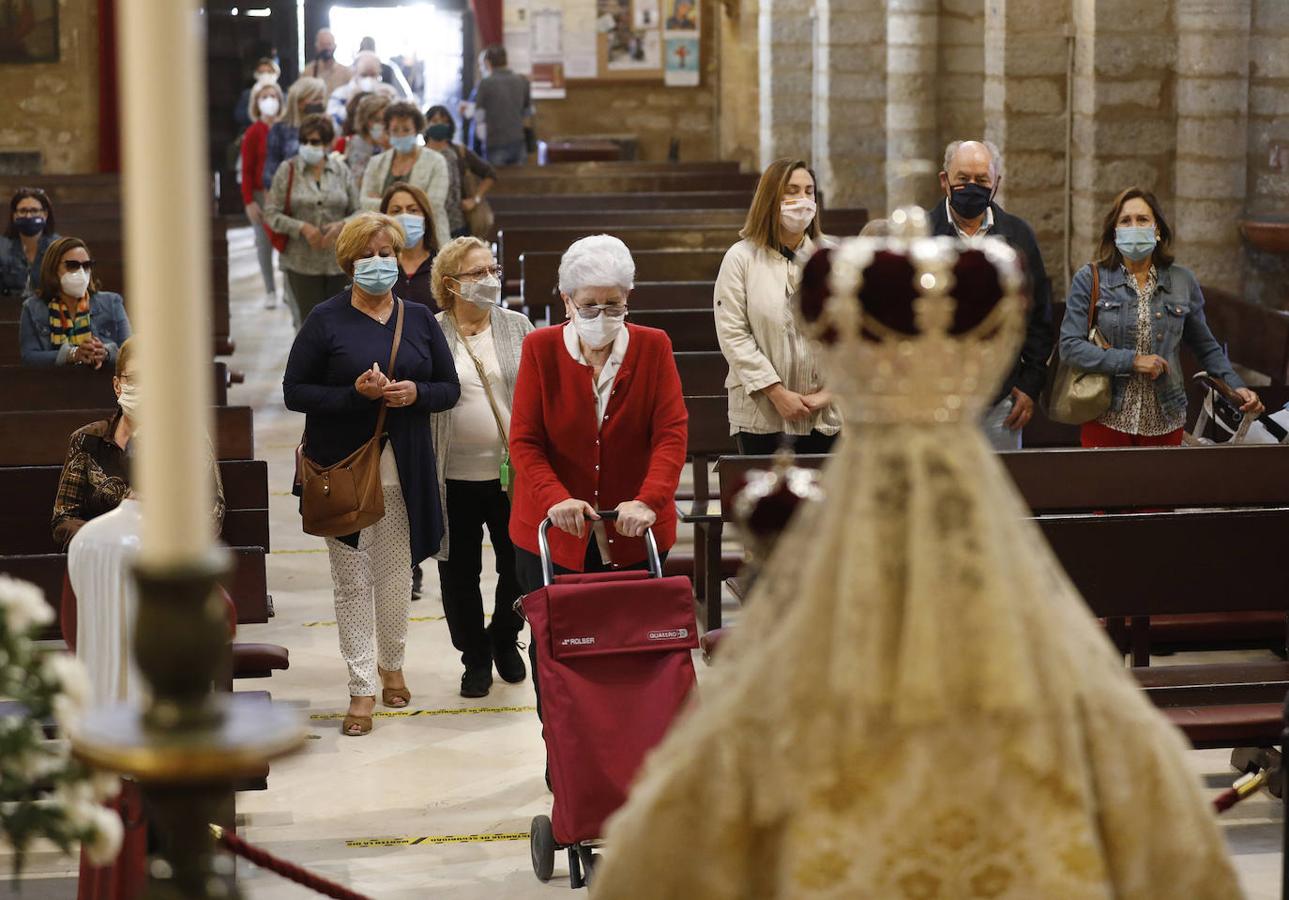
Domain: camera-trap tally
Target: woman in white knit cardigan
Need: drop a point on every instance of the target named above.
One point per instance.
(406, 160)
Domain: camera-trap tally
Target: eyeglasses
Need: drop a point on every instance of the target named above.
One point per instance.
(75, 265)
(494, 271)
(612, 310)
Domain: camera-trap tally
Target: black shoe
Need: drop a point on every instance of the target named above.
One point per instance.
(476, 682)
(417, 576)
(510, 662)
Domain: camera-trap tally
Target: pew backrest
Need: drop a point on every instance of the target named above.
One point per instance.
(39, 438)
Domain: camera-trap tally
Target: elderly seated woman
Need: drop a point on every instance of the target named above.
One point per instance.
(598, 423)
(96, 475)
(71, 321)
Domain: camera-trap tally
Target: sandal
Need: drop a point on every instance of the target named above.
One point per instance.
(395, 698)
(355, 726)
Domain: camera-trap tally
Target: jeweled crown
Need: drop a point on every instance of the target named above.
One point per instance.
(915, 328)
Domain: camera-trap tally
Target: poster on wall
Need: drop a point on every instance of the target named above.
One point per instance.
(546, 49)
(516, 36)
(629, 47)
(29, 31)
(580, 39)
(682, 62)
(680, 39)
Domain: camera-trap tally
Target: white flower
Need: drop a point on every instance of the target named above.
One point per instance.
(70, 674)
(105, 785)
(23, 604)
(105, 841)
(35, 763)
(67, 712)
(77, 800)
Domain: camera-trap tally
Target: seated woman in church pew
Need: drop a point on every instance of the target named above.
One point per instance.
(96, 476)
(311, 197)
(28, 236)
(408, 205)
(1132, 277)
(339, 375)
(71, 321)
(776, 391)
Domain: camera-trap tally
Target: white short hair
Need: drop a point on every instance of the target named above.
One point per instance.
(600, 260)
(995, 155)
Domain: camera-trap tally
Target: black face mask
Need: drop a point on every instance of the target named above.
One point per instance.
(30, 225)
(970, 200)
(326, 55)
(314, 109)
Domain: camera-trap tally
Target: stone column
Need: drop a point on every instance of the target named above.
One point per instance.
(1266, 274)
(785, 38)
(1124, 115)
(1212, 138)
(1026, 61)
(912, 39)
(850, 104)
(961, 84)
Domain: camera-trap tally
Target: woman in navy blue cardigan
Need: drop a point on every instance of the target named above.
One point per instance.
(336, 376)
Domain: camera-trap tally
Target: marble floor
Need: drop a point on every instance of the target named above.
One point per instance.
(436, 804)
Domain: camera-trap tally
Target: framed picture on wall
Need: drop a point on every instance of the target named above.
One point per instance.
(28, 31)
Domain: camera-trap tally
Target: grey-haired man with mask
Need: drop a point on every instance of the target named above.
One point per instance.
(972, 172)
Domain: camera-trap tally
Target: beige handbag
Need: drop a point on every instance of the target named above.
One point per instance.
(1072, 396)
(346, 497)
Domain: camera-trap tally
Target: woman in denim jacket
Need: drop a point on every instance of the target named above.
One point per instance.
(1147, 308)
(71, 321)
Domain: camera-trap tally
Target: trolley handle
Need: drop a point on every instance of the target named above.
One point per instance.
(1223, 389)
(607, 515)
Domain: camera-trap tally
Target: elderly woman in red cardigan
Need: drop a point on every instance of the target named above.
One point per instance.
(598, 423)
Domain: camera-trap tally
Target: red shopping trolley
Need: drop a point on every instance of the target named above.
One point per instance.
(614, 667)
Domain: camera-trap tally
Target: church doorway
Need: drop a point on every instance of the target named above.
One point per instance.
(424, 40)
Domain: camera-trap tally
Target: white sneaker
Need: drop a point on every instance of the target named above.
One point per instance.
(270, 301)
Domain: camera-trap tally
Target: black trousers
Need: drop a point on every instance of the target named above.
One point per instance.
(529, 567)
(472, 506)
(766, 444)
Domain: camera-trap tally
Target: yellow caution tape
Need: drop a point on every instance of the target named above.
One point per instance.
(453, 711)
(331, 622)
(296, 552)
(439, 839)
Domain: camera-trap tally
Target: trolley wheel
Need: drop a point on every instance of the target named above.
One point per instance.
(541, 844)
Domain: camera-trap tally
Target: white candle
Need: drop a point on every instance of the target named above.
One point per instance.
(167, 216)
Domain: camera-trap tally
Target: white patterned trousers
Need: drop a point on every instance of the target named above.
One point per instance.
(373, 590)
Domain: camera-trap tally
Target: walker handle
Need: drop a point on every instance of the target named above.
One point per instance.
(608, 515)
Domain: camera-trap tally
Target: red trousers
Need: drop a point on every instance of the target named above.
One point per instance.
(1094, 434)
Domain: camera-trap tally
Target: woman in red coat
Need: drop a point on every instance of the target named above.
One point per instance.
(266, 106)
(598, 423)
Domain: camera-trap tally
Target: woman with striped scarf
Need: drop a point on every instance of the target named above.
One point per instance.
(70, 321)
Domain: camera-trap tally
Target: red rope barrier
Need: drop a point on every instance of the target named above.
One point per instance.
(290, 871)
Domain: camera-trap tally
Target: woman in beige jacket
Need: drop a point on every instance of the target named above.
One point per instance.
(776, 390)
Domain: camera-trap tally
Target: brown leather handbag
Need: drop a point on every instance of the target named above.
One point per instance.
(346, 497)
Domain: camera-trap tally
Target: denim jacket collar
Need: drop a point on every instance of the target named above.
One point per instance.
(1114, 277)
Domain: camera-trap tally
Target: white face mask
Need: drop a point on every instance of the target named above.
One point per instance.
(367, 83)
(376, 131)
(311, 154)
(599, 332)
(486, 292)
(269, 106)
(74, 284)
(129, 401)
(796, 215)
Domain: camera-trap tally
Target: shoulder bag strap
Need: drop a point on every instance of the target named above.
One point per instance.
(290, 187)
(389, 372)
(487, 389)
(1094, 297)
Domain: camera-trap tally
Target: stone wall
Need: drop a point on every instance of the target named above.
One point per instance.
(648, 109)
(739, 88)
(1267, 275)
(52, 108)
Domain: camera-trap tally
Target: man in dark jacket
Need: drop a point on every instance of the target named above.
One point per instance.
(972, 171)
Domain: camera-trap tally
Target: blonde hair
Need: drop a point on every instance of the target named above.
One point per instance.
(303, 87)
(124, 354)
(259, 91)
(762, 224)
(447, 264)
(359, 231)
(370, 108)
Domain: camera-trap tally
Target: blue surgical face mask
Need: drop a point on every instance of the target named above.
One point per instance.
(413, 227)
(1136, 242)
(312, 154)
(405, 143)
(376, 274)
